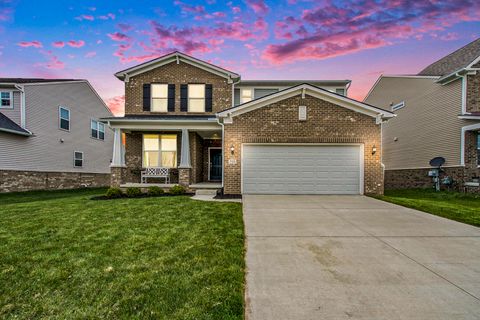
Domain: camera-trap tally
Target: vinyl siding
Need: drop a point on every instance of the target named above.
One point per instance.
(428, 125)
(14, 114)
(43, 151)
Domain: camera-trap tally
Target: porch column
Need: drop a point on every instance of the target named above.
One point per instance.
(117, 167)
(185, 165)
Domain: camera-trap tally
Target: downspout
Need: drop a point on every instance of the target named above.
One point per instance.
(22, 106)
(223, 150)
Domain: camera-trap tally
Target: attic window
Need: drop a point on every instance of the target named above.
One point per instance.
(398, 106)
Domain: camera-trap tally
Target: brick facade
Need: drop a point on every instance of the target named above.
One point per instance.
(173, 73)
(14, 181)
(473, 93)
(326, 123)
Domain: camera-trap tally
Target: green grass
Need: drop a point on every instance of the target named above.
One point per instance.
(63, 256)
(462, 207)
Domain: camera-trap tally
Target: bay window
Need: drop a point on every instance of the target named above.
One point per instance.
(196, 98)
(159, 97)
(160, 150)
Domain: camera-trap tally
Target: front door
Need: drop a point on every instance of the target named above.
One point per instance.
(215, 164)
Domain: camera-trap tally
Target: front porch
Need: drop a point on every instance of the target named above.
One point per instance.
(193, 155)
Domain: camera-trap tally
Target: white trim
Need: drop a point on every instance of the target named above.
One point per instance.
(361, 151)
(152, 97)
(468, 117)
(464, 94)
(189, 98)
(474, 62)
(471, 127)
(312, 91)
(175, 125)
(419, 168)
(209, 162)
(83, 159)
(98, 129)
(27, 134)
(10, 92)
(60, 118)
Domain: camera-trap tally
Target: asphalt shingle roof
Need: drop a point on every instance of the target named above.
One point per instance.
(7, 124)
(33, 80)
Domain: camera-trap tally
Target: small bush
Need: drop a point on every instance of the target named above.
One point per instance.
(133, 192)
(155, 191)
(114, 193)
(178, 190)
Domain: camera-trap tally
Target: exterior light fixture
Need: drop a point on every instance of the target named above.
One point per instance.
(232, 149)
(374, 149)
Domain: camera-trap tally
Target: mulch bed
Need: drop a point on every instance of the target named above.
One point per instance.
(228, 196)
(143, 195)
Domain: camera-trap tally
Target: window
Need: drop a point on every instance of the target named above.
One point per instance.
(196, 98)
(78, 159)
(340, 91)
(7, 98)
(246, 95)
(98, 130)
(160, 150)
(478, 148)
(398, 106)
(64, 118)
(159, 97)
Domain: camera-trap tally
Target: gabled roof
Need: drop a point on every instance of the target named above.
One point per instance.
(34, 80)
(455, 61)
(307, 89)
(175, 57)
(291, 83)
(7, 125)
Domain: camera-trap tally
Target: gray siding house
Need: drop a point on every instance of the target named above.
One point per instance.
(50, 136)
(437, 115)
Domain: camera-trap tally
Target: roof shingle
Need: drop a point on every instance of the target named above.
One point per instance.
(7, 124)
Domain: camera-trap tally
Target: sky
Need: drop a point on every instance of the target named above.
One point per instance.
(259, 39)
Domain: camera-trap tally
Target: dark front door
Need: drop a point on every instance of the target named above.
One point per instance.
(215, 164)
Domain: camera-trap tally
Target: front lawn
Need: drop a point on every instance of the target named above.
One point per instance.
(452, 205)
(63, 256)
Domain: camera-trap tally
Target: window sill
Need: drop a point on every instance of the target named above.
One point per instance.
(6, 108)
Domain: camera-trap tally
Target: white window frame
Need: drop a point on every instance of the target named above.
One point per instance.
(98, 130)
(152, 98)
(160, 149)
(242, 96)
(190, 98)
(9, 99)
(60, 118)
(398, 106)
(75, 159)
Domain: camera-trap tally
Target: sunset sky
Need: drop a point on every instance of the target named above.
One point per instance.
(259, 39)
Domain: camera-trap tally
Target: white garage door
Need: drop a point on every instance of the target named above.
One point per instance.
(301, 169)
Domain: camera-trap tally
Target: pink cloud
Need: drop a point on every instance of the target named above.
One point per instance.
(186, 8)
(107, 16)
(116, 105)
(117, 36)
(258, 6)
(5, 13)
(85, 17)
(76, 44)
(26, 44)
(90, 54)
(125, 27)
(52, 63)
(58, 44)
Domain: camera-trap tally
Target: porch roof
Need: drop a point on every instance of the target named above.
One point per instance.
(163, 122)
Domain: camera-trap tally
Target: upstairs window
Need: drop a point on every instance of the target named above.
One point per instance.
(246, 95)
(196, 98)
(64, 118)
(160, 150)
(78, 159)
(159, 97)
(97, 130)
(7, 100)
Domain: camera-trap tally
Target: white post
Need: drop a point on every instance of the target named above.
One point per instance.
(118, 158)
(185, 154)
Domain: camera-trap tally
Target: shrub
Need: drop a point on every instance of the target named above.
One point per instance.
(133, 192)
(114, 193)
(178, 190)
(155, 191)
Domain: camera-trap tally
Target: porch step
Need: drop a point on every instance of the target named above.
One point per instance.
(206, 192)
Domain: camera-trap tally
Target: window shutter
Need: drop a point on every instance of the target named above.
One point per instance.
(171, 98)
(146, 96)
(208, 97)
(184, 97)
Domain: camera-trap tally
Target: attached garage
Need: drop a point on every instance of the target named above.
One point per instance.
(302, 169)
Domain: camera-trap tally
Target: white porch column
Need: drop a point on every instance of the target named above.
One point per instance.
(118, 158)
(185, 153)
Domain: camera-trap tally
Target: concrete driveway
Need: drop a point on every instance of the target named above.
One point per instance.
(354, 257)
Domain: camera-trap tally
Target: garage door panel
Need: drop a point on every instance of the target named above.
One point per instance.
(301, 169)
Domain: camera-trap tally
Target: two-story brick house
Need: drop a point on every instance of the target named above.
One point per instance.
(206, 125)
(438, 115)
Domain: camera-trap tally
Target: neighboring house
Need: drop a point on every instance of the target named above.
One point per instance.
(275, 137)
(50, 136)
(438, 115)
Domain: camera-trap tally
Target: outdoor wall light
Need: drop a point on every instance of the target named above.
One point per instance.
(232, 149)
(374, 149)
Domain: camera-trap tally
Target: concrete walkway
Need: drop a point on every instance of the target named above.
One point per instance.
(354, 257)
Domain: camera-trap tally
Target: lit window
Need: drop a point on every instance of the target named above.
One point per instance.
(6, 97)
(196, 98)
(78, 159)
(246, 95)
(159, 97)
(159, 150)
(64, 118)
(97, 130)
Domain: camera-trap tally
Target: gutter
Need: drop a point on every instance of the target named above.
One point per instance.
(26, 134)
